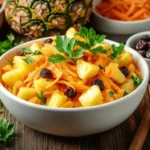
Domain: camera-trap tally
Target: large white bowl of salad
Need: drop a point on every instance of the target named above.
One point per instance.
(73, 85)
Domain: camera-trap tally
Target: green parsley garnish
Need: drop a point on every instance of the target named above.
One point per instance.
(91, 40)
(125, 93)
(1, 111)
(41, 98)
(1, 104)
(8, 44)
(28, 60)
(6, 129)
(117, 50)
(137, 80)
(29, 51)
(65, 45)
(111, 94)
(101, 67)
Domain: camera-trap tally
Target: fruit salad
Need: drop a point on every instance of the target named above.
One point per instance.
(77, 70)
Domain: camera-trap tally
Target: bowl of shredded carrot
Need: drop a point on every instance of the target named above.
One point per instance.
(121, 16)
(72, 85)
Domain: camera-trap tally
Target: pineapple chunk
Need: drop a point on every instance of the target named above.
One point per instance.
(104, 45)
(36, 47)
(125, 59)
(128, 86)
(71, 32)
(41, 84)
(91, 97)
(11, 77)
(48, 50)
(56, 100)
(113, 72)
(86, 70)
(26, 93)
(21, 64)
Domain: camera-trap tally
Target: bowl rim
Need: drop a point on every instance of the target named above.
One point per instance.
(136, 35)
(105, 105)
(115, 21)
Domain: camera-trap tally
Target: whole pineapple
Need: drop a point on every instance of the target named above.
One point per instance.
(36, 18)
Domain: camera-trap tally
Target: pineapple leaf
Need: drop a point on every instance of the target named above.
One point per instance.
(56, 58)
(117, 50)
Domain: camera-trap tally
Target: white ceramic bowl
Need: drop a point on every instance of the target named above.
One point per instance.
(103, 24)
(74, 121)
(132, 40)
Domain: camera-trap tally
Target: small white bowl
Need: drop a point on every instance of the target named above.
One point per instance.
(132, 40)
(74, 121)
(103, 24)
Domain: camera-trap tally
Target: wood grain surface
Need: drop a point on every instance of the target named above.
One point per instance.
(118, 138)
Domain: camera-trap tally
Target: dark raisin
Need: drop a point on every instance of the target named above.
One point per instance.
(125, 70)
(141, 45)
(142, 52)
(48, 41)
(148, 54)
(46, 73)
(22, 53)
(70, 92)
(99, 83)
(145, 37)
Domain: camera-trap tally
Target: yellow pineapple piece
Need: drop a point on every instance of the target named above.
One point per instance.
(128, 86)
(21, 64)
(70, 33)
(41, 84)
(11, 77)
(36, 47)
(91, 97)
(48, 50)
(86, 70)
(104, 45)
(26, 93)
(56, 100)
(125, 59)
(113, 72)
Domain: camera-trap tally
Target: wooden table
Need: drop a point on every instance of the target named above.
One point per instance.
(118, 138)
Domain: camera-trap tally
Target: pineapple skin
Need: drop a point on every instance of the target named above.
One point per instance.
(36, 18)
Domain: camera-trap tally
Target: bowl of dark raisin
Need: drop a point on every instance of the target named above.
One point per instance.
(141, 43)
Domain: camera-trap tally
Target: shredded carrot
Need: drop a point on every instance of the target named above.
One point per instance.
(125, 10)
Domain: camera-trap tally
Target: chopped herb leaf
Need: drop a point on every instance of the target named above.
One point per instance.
(136, 80)
(37, 53)
(11, 37)
(1, 111)
(41, 98)
(65, 45)
(117, 50)
(28, 60)
(56, 58)
(98, 50)
(111, 94)
(1, 104)
(8, 44)
(125, 93)
(91, 39)
(27, 50)
(6, 129)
